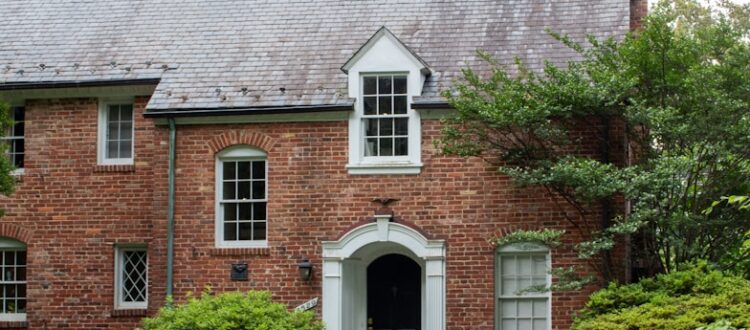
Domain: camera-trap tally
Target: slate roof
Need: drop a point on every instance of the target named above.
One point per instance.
(276, 53)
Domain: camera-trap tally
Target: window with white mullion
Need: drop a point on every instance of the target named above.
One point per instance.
(243, 201)
(518, 306)
(385, 115)
(15, 137)
(119, 136)
(13, 282)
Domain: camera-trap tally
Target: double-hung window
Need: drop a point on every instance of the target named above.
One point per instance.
(242, 198)
(116, 133)
(12, 280)
(131, 278)
(385, 116)
(522, 269)
(14, 137)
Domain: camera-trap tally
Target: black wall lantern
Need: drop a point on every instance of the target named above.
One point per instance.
(305, 269)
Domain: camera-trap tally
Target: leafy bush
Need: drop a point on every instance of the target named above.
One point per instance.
(696, 297)
(231, 311)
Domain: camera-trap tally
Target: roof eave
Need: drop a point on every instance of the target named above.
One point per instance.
(205, 112)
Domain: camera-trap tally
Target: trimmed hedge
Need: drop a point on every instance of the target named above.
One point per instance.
(231, 311)
(687, 300)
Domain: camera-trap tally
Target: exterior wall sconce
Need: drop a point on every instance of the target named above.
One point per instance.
(305, 269)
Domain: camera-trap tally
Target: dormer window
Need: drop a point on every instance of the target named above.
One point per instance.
(386, 121)
(384, 132)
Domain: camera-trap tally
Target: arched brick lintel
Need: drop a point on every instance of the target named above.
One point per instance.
(15, 232)
(233, 138)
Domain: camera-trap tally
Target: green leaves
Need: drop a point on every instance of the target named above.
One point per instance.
(676, 94)
(231, 311)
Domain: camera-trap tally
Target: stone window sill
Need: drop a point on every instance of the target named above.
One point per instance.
(239, 252)
(129, 312)
(13, 325)
(114, 168)
(384, 168)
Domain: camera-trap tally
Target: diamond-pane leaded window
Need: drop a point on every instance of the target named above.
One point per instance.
(132, 278)
(386, 120)
(520, 306)
(13, 281)
(15, 137)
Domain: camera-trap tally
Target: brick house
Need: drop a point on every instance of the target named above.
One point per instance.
(167, 146)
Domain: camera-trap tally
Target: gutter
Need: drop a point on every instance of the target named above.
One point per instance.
(203, 112)
(73, 84)
(170, 208)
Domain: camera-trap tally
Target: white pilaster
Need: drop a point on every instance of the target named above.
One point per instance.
(332, 294)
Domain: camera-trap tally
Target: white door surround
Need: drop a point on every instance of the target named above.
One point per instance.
(345, 266)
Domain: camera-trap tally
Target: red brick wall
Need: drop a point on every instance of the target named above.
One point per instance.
(75, 213)
(638, 10)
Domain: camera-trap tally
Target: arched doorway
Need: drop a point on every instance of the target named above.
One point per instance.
(394, 299)
(346, 278)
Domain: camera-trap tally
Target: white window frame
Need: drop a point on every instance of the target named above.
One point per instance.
(7, 244)
(515, 250)
(102, 132)
(119, 268)
(237, 153)
(10, 137)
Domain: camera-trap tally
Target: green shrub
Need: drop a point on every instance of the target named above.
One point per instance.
(231, 311)
(697, 297)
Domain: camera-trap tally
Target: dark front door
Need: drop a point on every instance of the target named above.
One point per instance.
(394, 294)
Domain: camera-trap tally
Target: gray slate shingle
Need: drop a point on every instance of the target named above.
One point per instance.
(206, 52)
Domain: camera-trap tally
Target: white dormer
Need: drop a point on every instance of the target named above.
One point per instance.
(384, 131)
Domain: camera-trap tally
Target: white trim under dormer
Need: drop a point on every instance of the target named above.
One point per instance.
(384, 54)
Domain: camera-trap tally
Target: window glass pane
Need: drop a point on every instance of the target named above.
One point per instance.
(509, 324)
(540, 308)
(113, 113)
(369, 85)
(126, 149)
(540, 324)
(19, 114)
(230, 231)
(134, 277)
(524, 324)
(384, 105)
(21, 258)
(371, 103)
(401, 126)
(525, 264)
(126, 131)
(523, 284)
(399, 85)
(386, 127)
(524, 308)
(539, 280)
(371, 127)
(9, 274)
(18, 129)
(245, 210)
(113, 131)
(386, 146)
(259, 189)
(230, 211)
(259, 169)
(112, 149)
(21, 273)
(246, 231)
(243, 190)
(229, 170)
(259, 230)
(259, 211)
(126, 113)
(508, 264)
(509, 286)
(384, 85)
(540, 265)
(229, 190)
(371, 147)
(508, 308)
(399, 105)
(402, 146)
(243, 170)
